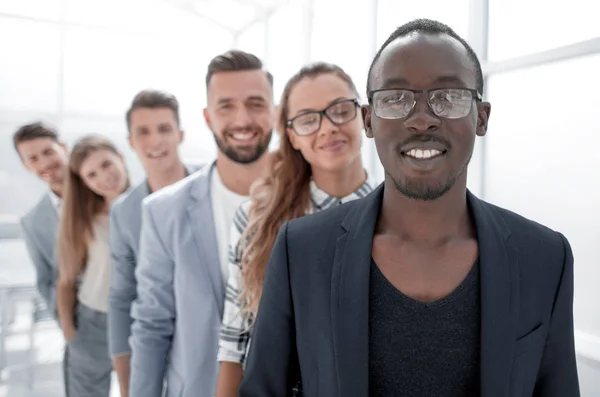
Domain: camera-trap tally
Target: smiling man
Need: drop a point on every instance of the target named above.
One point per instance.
(155, 135)
(43, 154)
(183, 261)
(420, 289)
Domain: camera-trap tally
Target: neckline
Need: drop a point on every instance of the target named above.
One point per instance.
(471, 276)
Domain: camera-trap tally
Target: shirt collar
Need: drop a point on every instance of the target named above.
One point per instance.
(54, 199)
(322, 200)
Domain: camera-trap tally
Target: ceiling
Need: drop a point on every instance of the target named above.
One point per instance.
(233, 15)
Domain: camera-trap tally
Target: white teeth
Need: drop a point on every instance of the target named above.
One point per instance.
(243, 136)
(423, 154)
(156, 154)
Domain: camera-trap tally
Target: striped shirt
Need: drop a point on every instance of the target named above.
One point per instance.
(234, 338)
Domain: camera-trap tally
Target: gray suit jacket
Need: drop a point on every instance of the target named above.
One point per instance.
(124, 235)
(40, 227)
(180, 293)
(125, 226)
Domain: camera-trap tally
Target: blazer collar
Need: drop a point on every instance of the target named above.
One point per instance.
(202, 223)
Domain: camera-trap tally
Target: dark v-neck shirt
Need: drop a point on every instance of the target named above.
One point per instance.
(419, 349)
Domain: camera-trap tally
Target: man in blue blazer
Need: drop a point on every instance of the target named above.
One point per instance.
(420, 289)
(182, 264)
(43, 154)
(155, 135)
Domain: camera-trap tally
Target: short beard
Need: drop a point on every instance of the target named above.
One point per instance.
(418, 190)
(244, 157)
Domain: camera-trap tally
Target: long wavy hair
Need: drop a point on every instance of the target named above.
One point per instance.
(80, 206)
(282, 195)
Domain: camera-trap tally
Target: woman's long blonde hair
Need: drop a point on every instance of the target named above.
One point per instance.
(282, 195)
(79, 207)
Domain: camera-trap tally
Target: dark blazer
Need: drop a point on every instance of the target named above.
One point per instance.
(313, 316)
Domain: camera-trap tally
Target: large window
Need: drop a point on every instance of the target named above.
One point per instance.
(78, 63)
(541, 160)
(518, 28)
(393, 13)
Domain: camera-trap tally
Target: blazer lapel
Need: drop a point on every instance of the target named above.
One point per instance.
(202, 224)
(350, 296)
(48, 224)
(499, 298)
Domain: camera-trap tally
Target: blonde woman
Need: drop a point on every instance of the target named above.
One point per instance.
(96, 176)
(317, 166)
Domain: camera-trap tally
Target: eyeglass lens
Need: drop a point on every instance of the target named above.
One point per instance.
(451, 103)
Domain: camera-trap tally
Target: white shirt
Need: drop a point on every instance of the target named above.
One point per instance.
(95, 283)
(54, 199)
(224, 204)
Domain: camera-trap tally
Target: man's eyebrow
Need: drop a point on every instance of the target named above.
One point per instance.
(394, 82)
(452, 79)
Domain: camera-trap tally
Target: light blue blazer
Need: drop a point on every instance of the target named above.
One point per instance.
(125, 225)
(178, 311)
(124, 236)
(40, 228)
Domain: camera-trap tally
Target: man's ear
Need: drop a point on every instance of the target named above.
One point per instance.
(207, 118)
(366, 112)
(483, 115)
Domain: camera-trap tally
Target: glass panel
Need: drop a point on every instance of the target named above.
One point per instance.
(29, 69)
(158, 16)
(252, 40)
(560, 23)
(17, 268)
(46, 9)
(541, 160)
(104, 70)
(393, 13)
(285, 51)
(338, 40)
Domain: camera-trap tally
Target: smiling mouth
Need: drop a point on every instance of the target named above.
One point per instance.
(424, 154)
(243, 136)
(157, 155)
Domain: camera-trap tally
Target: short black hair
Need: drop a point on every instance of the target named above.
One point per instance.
(432, 27)
(32, 131)
(153, 99)
(235, 61)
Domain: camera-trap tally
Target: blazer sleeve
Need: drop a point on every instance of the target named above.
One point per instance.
(153, 312)
(272, 359)
(558, 371)
(122, 289)
(45, 272)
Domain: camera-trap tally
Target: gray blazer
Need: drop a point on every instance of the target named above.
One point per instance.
(124, 236)
(40, 227)
(125, 225)
(180, 293)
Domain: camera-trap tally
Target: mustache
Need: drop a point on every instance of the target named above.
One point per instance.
(246, 128)
(423, 138)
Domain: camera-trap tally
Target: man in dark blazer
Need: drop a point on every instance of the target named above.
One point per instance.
(420, 289)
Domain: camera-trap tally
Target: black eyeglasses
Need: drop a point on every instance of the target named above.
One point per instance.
(338, 113)
(397, 103)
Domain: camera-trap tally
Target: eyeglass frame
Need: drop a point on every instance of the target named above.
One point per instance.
(323, 112)
(477, 97)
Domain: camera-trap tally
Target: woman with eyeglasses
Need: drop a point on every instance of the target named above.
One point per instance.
(97, 175)
(317, 166)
